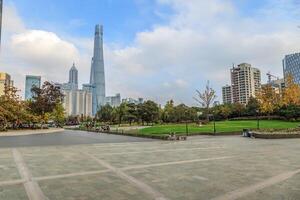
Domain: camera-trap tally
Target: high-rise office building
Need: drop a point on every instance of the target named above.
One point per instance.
(77, 103)
(97, 76)
(73, 77)
(291, 66)
(132, 100)
(227, 94)
(1, 9)
(5, 81)
(114, 101)
(245, 83)
(30, 82)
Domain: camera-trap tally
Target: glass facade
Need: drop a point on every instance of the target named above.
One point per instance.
(30, 82)
(291, 65)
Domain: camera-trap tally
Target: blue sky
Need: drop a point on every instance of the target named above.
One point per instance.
(122, 19)
(157, 49)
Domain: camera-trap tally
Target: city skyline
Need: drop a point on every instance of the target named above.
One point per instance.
(152, 55)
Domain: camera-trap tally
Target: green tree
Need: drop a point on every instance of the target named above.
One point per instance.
(148, 112)
(45, 100)
(252, 107)
(105, 114)
(58, 115)
(131, 113)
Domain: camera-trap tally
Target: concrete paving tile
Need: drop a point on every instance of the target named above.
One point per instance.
(125, 160)
(8, 170)
(289, 189)
(16, 192)
(206, 180)
(60, 163)
(104, 187)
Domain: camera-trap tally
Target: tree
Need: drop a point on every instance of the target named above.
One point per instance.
(132, 113)
(168, 112)
(148, 112)
(238, 109)
(291, 92)
(121, 112)
(13, 110)
(45, 100)
(268, 99)
(105, 113)
(206, 98)
(252, 107)
(58, 115)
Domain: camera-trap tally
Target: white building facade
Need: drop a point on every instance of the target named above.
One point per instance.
(245, 83)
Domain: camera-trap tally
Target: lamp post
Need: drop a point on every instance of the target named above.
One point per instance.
(214, 124)
(257, 118)
(186, 124)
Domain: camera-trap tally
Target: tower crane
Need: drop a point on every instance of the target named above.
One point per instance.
(270, 76)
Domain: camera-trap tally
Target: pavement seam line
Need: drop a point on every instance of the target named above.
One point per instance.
(137, 183)
(70, 175)
(11, 182)
(174, 163)
(236, 194)
(163, 150)
(32, 188)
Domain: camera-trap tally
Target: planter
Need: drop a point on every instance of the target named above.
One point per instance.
(276, 135)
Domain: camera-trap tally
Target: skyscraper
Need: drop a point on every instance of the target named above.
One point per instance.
(97, 76)
(73, 77)
(1, 8)
(291, 66)
(31, 81)
(227, 94)
(245, 83)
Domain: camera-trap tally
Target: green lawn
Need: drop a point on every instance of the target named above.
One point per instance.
(221, 127)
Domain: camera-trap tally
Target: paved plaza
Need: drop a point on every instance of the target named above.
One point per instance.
(204, 167)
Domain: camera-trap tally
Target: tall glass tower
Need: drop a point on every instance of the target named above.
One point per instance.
(97, 76)
(31, 81)
(291, 66)
(1, 6)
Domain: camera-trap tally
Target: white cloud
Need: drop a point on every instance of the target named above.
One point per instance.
(200, 42)
(37, 52)
(12, 22)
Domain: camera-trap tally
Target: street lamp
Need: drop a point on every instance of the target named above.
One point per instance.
(186, 124)
(214, 122)
(257, 118)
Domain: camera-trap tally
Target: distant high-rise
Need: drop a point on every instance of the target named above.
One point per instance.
(114, 101)
(227, 94)
(5, 81)
(97, 76)
(245, 83)
(291, 66)
(31, 81)
(77, 103)
(1, 8)
(73, 77)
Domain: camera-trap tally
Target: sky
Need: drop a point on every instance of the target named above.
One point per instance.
(156, 49)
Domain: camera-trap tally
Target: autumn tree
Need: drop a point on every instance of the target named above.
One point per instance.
(268, 99)
(291, 92)
(206, 98)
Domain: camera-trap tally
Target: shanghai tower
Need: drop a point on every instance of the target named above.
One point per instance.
(97, 77)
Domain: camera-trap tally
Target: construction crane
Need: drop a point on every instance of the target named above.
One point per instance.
(270, 76)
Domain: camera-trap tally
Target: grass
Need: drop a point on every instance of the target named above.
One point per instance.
(221, 127)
